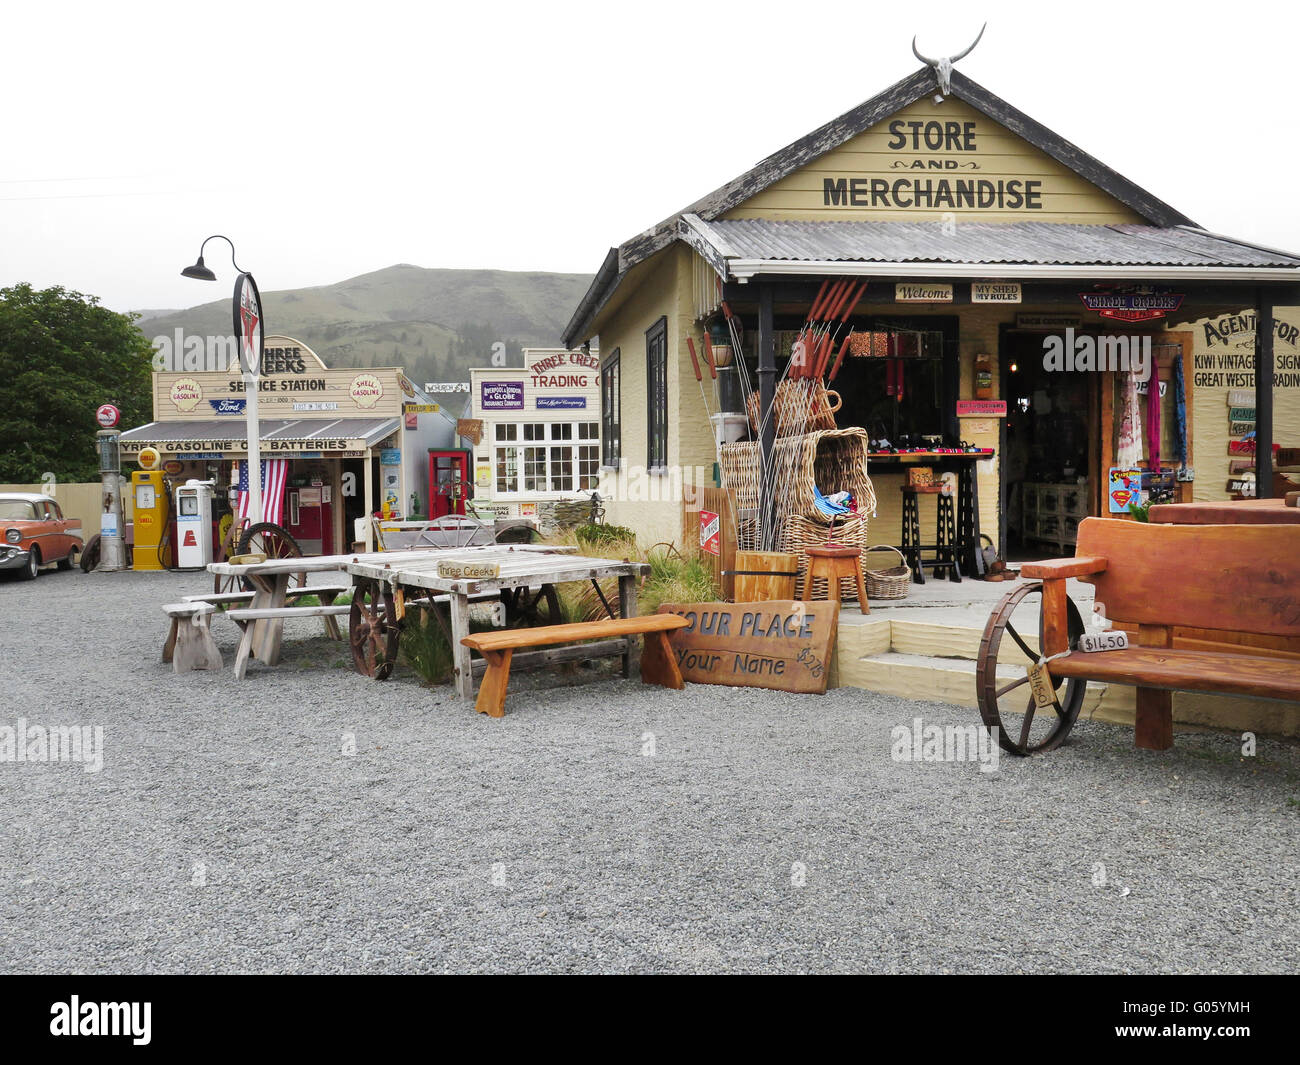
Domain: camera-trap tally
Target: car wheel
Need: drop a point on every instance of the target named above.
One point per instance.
(66, 564)
(33, 567)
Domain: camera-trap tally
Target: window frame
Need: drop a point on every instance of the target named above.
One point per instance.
(611, 412)
(656, 375)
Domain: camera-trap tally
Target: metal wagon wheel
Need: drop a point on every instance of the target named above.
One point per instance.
(1002, 702)
(273, 541)
(223, 583)
(373, 630)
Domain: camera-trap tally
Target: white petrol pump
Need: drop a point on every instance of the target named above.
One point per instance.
(194, 524)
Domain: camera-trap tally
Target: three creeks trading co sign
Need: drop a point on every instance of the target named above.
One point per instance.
(783, 644)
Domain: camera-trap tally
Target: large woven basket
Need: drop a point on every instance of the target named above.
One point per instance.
(891, 583)
(833, 460)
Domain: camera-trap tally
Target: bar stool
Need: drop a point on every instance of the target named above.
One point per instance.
(833, 564)
(945, 545)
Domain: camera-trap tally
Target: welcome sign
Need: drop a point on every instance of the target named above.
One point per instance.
(784, 645)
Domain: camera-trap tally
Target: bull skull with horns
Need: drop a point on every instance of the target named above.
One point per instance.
(943, 67)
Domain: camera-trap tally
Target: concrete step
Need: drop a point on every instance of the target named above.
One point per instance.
(945, 680)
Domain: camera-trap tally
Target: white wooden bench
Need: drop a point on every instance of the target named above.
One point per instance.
(189, 644)
(325, 592)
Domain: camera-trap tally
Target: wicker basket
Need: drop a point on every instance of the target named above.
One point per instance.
(834, 460)
(892, 583)
(802, 406)
(799, 533)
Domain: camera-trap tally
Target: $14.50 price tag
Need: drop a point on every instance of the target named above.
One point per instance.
(1103, 641)
(1040, 684)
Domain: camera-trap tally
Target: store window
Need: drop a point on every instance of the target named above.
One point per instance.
(611, 441)
(555, 457)
(899, 382)
(656, 363)
(507, 458)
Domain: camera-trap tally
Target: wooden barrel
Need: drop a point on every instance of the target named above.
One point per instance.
(765, 575)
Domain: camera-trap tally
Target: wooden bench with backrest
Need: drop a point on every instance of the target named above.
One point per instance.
(658, 664)
(1207, 608)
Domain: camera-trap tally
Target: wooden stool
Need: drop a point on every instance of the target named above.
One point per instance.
(833, 564)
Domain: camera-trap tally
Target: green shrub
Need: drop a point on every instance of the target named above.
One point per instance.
(425, 648)
(676, 578)
(592, 535)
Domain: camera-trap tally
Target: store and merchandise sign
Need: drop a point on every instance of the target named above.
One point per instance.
(1048, 321)
(501, 395)
(1123, 489)
(561, 402)
(782, 645)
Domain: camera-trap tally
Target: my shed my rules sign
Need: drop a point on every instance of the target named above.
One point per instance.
(784, 644)
(929, 159)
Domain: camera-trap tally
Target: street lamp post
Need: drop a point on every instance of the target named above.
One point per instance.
(247, 316)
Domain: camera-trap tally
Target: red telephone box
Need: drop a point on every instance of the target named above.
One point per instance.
(449, 485)
(309, 518)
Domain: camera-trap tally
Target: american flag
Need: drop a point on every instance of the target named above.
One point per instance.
(275, 473)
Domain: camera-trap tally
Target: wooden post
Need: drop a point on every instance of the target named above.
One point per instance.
(463, 674)
(627, 608)
(1263, 393)
(766, 418)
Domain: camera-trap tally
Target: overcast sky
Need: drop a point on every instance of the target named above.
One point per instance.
(333, 139)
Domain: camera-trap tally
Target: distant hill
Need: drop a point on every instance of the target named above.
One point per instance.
(436, 323)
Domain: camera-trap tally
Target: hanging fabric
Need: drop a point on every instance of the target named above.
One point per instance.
(1153, 418)
(1180, 412)
(1128, 452)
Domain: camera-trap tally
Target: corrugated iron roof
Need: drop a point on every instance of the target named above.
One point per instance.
(367, 429)
(1040, 243)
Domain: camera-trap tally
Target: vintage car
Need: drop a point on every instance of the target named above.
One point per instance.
(34, 533)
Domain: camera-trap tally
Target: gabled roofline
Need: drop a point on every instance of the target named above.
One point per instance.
(839, 131)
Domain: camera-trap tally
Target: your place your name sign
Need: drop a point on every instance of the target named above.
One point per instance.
(784, 644)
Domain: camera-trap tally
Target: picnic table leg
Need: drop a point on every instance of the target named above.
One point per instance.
(627, 608)
(460, 656)
(268, 648)
(331, 622)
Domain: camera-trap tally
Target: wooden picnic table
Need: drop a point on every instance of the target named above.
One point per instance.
(525, 573)
(270, 581)
(1226, 512)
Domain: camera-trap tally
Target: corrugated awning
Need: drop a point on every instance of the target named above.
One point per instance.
(744, 247)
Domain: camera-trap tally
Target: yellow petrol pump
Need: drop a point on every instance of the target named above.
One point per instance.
(151, 506)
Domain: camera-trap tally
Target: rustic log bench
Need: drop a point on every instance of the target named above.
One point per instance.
(658, 665)
(1206, 608)
(189, 644)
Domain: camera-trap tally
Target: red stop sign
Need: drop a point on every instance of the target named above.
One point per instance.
(107, 416)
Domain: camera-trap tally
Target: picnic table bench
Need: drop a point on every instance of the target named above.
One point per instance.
(658, 664)
(1206, 608)
(263, 619)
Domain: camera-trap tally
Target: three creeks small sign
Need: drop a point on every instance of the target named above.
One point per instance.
(783, 644)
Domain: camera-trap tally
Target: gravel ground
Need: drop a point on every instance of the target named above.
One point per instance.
(228, 831)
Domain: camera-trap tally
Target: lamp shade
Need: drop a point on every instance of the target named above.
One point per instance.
(199, 271)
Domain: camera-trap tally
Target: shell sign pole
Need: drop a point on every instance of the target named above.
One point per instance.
(247, 305)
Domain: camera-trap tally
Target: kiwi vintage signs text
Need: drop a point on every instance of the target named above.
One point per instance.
(783, 644)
